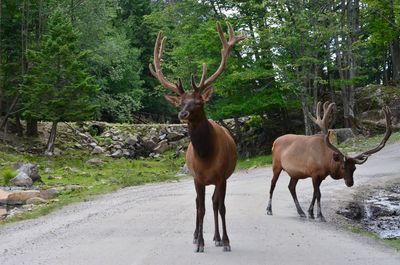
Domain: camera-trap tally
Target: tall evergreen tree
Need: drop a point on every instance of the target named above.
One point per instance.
(57, 87)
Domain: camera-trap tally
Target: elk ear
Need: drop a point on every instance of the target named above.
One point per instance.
(173, 100)
(207, 95)
(336, 156)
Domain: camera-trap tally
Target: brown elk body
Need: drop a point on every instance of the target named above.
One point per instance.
(315, 157)
(211, 155)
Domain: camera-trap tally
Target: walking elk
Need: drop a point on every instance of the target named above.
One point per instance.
(211, 155)
(314, 156)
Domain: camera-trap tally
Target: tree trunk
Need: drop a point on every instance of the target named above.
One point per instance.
(394, 45)
(20, 129)
(307, 125)
(1, 60)
(31, 127)
(52, 139)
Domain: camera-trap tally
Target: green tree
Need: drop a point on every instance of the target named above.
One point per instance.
(57, 87)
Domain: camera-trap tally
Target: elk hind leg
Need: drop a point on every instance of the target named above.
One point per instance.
(292, 188)
(277, 171)
(317, 194)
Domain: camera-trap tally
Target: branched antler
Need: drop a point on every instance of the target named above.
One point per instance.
(227, 46)
(157, 72)
(323, 123)
(362, 158)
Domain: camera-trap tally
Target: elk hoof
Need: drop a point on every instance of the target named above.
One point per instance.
(311, 216)
(227, 248)
(269, 211)
(302, 215)
(199, 249)
(321, 218)
(218, 243)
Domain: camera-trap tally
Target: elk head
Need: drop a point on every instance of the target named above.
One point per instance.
(192, 103)
(346, 165)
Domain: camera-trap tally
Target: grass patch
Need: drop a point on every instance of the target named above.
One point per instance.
(72, 168)
(393, 243)
(6, 174)
(360, 143)
(258, 161)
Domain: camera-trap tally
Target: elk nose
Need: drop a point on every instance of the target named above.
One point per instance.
(183, 115)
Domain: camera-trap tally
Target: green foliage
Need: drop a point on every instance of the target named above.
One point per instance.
(6, 174)
(255, 121)
(57, 87)
(258, 161)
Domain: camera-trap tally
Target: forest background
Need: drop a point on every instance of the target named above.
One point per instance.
(88, 59)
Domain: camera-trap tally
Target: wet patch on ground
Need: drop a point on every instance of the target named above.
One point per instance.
(377, 211)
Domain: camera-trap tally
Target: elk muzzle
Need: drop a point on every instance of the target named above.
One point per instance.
(183, 115)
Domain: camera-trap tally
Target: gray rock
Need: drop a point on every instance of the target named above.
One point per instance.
(31, 170)
(20, 197)
(3, 213)
(343, 134)
(22, 180)
(49, 193)
(93, 145)
(183, 171)
(174, 136)
(161, 147)
(162, 136)
(73, 187)
(4, 196)
(35, 200)
(149, 144)
(95, 162)
(131, 140)
(98, 150)
(117, 154)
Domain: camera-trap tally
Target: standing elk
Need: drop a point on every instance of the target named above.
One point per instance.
(211, 155)
(314, 156)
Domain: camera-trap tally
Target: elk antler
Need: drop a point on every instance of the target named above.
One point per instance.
(361, 158)
(157, 72)
(331, 146)
(227, 46)
(324, 122)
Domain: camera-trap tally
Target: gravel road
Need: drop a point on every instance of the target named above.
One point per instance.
(153, 224)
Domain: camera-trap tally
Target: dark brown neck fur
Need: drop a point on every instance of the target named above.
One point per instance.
(201, 136)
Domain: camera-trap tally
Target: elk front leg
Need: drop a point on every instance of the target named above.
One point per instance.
(317, 195)
(201, 210)
(225, 238)
(215, 200)
(196, 230)
(292, 188)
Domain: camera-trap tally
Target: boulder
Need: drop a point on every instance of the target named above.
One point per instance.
(31, 170)
(35, 200)
(22, 180)
(174, 136)
(20, 197)
(3, 213)
(131, 140)
(3, 196)
(49, 193)
(117, 154)
(343, 134)
(149, 144)
(161, 147)
(98, 150)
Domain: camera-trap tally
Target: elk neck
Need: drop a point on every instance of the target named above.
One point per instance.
(201, 136)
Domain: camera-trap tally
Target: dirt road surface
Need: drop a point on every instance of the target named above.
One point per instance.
(153, 224)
